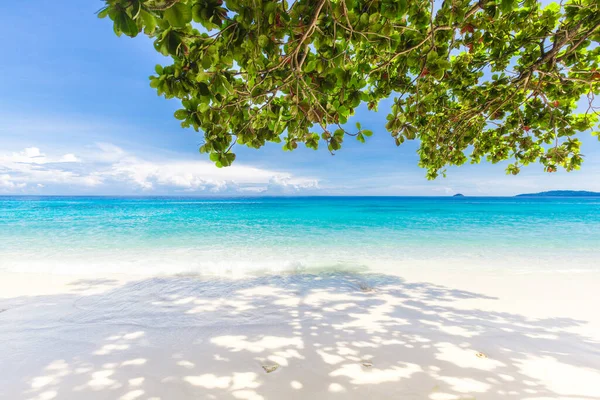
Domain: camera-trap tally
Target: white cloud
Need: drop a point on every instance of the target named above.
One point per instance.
(6, 182)
(287, 183)
(69, 158)
(203, 175)
(108, 152)
(32, 152)
(31, 155)
(107, 167)
(104, 168)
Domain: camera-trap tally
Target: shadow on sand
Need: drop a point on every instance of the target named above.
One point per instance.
(330, 336)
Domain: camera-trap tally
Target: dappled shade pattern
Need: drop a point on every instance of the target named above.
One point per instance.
(330, 335)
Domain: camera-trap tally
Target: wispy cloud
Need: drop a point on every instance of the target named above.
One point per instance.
(33, 155)
(107, 168)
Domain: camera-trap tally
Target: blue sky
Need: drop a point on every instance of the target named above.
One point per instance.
(77, 116)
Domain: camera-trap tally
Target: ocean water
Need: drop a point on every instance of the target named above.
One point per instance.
(177, 235)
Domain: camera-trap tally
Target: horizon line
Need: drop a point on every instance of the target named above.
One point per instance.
(457, 195)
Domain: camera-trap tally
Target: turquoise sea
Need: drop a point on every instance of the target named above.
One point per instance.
(149, 235)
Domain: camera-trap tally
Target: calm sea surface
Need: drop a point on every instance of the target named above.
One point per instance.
(193, 235)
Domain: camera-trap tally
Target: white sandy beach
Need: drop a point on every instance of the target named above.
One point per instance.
(421, 335)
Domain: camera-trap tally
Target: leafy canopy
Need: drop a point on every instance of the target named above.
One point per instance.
(499, 79)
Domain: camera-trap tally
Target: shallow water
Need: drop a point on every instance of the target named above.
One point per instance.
(406, 326)
(237, 236)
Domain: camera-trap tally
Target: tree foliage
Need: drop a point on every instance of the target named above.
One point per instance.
(495, 79)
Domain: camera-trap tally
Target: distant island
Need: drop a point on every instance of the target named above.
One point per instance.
(459, 195)
(561, 193)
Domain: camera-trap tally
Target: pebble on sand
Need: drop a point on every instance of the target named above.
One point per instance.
(270, 368)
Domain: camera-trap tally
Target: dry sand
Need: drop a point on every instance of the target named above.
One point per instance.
(421, 335)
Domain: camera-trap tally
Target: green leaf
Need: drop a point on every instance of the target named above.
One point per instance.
(103, 12)
(203, 89)
(173, 42)
(206, 62)
(136, 7)
(263, 41)
(226, 85)
(123, 23)
(506, 5)
(149, 22)
(203, 107)
(364, 18)
(178, 15)
(181, 114)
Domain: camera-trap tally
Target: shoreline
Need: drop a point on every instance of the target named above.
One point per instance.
(423, 335)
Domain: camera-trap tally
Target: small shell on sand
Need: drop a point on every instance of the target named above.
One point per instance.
(270, 368)
(481, 355)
